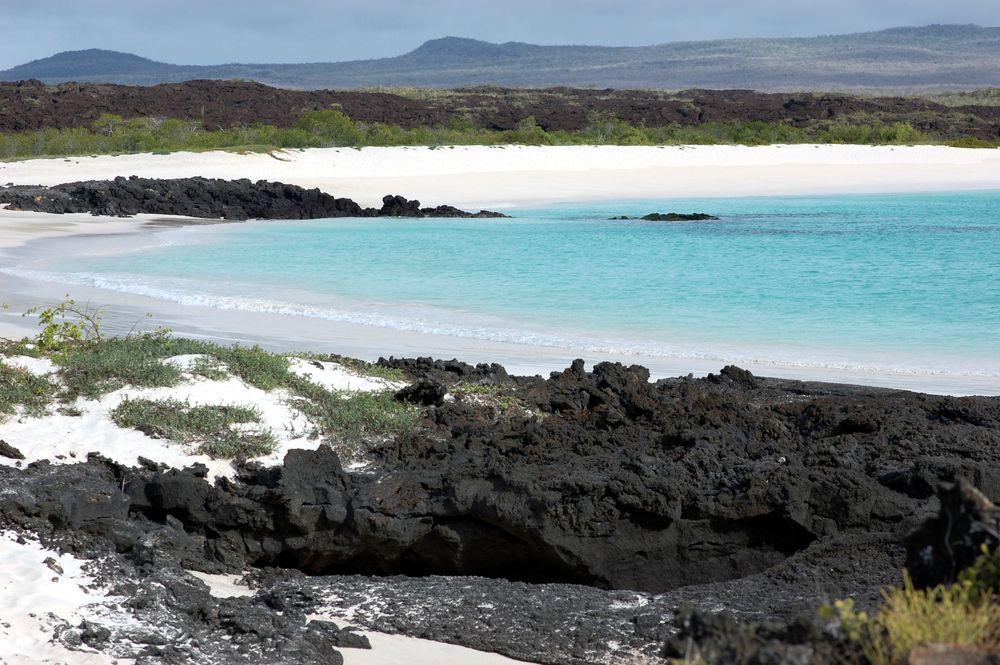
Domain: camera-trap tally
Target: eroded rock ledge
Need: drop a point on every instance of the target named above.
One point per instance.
(760, 496)
(598, 478)
(234, 200)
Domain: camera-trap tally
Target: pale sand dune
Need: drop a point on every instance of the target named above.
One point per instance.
(512, 175)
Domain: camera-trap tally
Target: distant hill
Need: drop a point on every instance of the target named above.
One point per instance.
(919, 58)
(85, 65)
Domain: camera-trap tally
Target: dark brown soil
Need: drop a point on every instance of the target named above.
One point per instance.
(34, 105)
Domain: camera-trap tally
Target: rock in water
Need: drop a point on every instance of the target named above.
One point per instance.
(677, 217)
(669, 217)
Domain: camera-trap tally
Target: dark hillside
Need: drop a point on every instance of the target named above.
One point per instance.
(222, 104)
(936, 57)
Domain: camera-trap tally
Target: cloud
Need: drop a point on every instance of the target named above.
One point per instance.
(215, 31)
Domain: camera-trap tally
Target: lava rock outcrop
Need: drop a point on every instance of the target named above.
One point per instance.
(32, 105)
(953, 539)
(208, 198)
(599, 478)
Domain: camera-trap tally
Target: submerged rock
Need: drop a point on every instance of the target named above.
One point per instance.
(670, 217)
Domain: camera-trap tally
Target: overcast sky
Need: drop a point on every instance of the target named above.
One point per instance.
(219, 31)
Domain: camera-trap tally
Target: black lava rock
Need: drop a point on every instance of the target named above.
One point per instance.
(208, 198)
(9, 451)
(425, 392)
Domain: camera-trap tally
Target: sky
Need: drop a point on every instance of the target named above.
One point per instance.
(220, 31)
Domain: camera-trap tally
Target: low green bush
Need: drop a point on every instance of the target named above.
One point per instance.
(363, 415)
(95, 369)
(974, 143)
(332, 128)
(213, 429)
(23, 389)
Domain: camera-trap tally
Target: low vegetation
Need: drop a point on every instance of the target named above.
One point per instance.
(216, 431)
(332, 128)
(20, 389)
(360, 366)
(96, 369)
(981, 97)
(951, 615)
(502, 397)
(90, 365)
(352, 416)
(964, 614)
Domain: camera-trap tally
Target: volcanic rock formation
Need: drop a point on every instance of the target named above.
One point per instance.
(209, 198)
(599, 478)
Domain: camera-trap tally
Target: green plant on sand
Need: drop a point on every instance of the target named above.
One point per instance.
(19, 388)
(214, 430)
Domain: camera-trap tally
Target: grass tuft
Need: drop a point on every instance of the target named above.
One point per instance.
(23, 389)
(253, 364)
(210, 369)
(92, 370)
(950, 615)
(497, 395)
(214, 429)
(353, 415)
(965, 614)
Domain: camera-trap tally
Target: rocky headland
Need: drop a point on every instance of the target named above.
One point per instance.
(234, 200)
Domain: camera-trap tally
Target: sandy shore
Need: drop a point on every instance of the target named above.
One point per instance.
(475, 177)
(513, 175)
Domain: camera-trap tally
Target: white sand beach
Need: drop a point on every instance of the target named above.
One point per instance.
(474, 177)
(499, 176)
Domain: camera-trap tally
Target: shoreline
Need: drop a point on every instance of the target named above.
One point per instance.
(294, 333)
(507, 176)
(517, 175)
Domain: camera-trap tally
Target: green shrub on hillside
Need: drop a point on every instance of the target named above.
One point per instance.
(875, 133)
(333, 128)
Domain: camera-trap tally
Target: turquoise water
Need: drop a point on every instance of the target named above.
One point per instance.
(902, 282)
